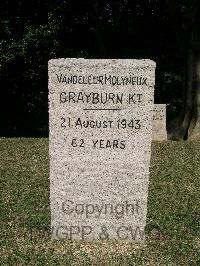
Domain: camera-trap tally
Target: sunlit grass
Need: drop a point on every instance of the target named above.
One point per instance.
(173, 222)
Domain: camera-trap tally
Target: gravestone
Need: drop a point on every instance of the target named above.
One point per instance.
(100, 121)
(159, 131)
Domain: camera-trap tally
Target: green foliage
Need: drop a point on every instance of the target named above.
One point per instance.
(33, 32)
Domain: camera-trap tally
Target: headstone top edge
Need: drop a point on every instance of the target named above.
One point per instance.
(142, 62)
(160, 105)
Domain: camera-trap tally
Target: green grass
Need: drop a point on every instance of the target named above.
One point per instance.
(173, 222)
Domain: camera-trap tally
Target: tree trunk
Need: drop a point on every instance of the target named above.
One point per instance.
(187, 125)
(194, 127)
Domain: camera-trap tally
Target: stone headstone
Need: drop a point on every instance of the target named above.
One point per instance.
(159, 131)
(100, 119)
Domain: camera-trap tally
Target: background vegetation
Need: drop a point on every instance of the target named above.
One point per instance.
(32, 32)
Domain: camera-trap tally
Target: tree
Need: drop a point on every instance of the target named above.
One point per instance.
(32, 33)
(187, 124)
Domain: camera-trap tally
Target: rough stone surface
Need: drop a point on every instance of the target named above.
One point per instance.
(100, 119)
(159, 131)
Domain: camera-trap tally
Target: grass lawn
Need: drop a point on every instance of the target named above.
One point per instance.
(173, 222)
